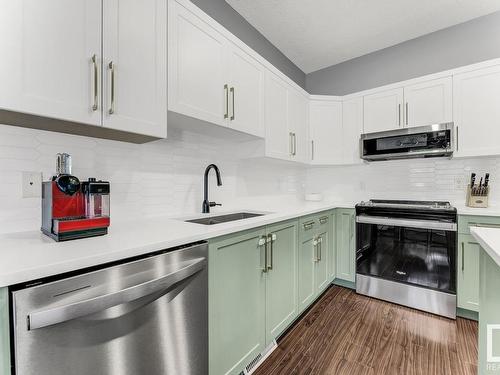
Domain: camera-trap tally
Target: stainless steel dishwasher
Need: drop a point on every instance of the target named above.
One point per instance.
(148, 316)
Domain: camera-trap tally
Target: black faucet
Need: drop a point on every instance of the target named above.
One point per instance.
(206, 203)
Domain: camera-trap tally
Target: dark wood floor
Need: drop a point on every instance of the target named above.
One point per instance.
(345, 333)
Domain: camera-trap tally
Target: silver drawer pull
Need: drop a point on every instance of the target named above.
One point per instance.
(111, 67)
(96, 85)
(308, 225)
(323, 220)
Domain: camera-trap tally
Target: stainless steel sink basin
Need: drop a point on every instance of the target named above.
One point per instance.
(224, 218)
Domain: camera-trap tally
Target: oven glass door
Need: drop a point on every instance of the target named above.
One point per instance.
(417, 256)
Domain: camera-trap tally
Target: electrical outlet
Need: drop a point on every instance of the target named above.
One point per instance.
(459, 182)
(32, 184)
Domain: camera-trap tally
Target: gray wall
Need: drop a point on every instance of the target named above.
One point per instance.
(223, 13)
(467, 43)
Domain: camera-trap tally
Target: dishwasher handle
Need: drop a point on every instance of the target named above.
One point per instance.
(60, 314)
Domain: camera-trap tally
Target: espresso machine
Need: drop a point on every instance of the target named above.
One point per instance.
(72, 209)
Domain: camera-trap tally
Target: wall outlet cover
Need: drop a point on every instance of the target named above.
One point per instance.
(31, 184)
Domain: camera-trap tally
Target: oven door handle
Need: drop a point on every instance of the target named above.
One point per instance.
(409, 223)
(60, 314)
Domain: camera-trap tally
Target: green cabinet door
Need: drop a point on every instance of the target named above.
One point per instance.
(345, 244)
(236, 301)
(321, 279)
(4, 332)
(281, 278)
(306, 271)
(468, 273)
(332, 248)
(489, 316)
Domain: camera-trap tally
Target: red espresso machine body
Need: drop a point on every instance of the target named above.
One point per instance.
(71, 209)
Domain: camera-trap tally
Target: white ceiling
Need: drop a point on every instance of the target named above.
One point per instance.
(315, 34)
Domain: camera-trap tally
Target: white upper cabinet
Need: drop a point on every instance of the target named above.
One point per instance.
(210, 77)
(135, 66)
(298, 118)
(278, 138)
(196, 67)
(47, 65)
(352, 128)
(476, 111)
(429, 102)
(325, 126)
(246, 92)
(286, 121)
(383, 110)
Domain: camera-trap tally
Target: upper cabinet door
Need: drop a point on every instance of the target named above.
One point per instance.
(352, 128)
(476, 112)
(196, 67)
(383, 111)
(47, 64)
(325, 124)
(429, 102)
(246, 92)
(298, 119)
(278, 139)
(135, 66)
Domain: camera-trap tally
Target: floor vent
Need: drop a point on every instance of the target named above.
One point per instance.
(257, 361)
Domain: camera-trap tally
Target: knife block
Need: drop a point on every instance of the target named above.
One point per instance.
(477, 200)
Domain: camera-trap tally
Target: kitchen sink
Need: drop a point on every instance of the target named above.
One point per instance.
(224, 218)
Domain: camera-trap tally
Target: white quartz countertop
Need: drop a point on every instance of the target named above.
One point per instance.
(489, 239)
(26, 256)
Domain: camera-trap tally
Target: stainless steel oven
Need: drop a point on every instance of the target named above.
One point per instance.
(144, 316)
(406, 253)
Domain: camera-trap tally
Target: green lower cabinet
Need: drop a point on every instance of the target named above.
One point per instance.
(281, 278)
(306, 271)
(489, 315)
(237, 291)
(332, 248)
(4, 332)
(321, 279)
(468, 273)
(346, 244)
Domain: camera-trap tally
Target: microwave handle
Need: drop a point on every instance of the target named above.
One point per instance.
(60, 314)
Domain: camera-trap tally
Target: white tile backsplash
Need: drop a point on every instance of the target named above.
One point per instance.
(166, 177)
(158, 178)
(433, 179)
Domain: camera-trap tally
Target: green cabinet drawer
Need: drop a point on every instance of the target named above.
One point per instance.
(468, 273)
(345, 237)
(466, 221)
(236, 301)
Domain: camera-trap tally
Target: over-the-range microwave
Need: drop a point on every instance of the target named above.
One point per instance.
(416, 142)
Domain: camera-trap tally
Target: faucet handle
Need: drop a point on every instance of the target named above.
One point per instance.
(213, 204)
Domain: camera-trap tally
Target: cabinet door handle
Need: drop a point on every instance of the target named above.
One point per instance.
(291, 143)
(463, 256)
(312, 150)
(96, 84)
(399, 115)
(233, 108)
(263, 243)
(226, 102)
(457, 138)
(406, 113)
(323, 220)
(315, 249)
(294, 144)
(270, 239)
(111, 67)
(320, 251)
